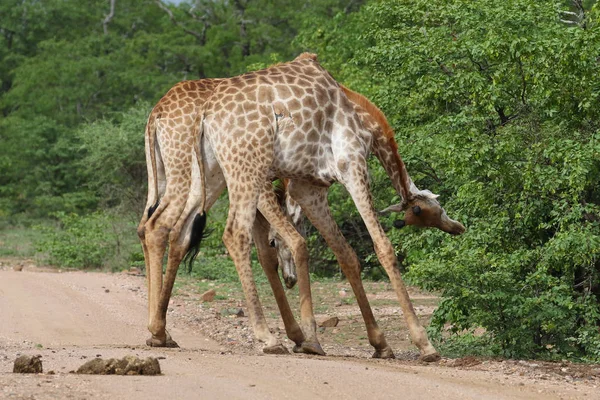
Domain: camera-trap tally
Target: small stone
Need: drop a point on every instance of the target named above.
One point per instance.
(330, 322)
(240, 313)
(209, 295)
(28, 365)
(18, 268)
(106, 291)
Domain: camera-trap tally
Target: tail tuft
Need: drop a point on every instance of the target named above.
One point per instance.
(198, 233)
(153, 208)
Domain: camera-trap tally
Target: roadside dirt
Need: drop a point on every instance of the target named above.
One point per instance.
(71, 317)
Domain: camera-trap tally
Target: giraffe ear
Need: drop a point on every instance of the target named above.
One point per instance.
(393, 208)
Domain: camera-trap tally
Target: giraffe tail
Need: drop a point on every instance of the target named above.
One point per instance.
(151, 158)
(198, 231)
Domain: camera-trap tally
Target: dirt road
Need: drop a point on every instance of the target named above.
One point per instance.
(72, 317)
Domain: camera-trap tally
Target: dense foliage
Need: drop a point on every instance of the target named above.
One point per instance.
(495, 106)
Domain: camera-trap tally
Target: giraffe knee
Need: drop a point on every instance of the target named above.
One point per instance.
(300, 248)
(157, 235)
(141, 232)
(236, 239)
(174, 235)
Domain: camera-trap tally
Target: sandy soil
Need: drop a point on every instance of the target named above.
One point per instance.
(71, 317)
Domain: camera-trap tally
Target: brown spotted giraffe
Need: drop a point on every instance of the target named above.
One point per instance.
(421, 206)
(286, 119)
(176, 198)
(294, 121)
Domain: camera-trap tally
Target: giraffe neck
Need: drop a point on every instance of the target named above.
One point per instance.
(384, 145)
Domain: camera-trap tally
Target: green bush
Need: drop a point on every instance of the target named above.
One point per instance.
(97, 240)
(495, 106)
(78, 241)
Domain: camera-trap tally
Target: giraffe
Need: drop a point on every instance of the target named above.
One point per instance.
(294, 121)
(175, 196)
(421, 206)
(275, 116)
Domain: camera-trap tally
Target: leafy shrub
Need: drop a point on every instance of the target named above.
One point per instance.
(495, 106)
(78, 241)
(97, 240)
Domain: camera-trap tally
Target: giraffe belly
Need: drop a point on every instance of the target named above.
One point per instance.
(304, 161)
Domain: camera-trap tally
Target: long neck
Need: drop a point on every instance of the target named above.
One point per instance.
(384, 145)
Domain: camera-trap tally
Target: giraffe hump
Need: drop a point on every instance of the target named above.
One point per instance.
(306, 56)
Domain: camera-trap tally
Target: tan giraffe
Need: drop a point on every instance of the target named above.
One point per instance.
(294, 121)
(421, 206)
(176, 196)
(286, 119)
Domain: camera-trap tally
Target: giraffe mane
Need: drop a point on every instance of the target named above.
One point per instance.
(388, 133)
(373, 111)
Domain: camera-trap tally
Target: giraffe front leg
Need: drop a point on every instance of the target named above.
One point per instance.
(271, 210)
(358, 188)
(268, 260)
(237, 240)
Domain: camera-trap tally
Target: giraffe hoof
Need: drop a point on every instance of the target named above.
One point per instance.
(277, 349)
(309, 348)
(431, 357)
(155, 342)
(386, 353)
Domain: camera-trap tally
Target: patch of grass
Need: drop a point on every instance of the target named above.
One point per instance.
(18, 241)
(467, 344)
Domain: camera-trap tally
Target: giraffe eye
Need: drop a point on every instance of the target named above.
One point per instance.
(416, 210)
(272, 243)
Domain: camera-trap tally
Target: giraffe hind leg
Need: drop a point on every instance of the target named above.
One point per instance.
(184, 243)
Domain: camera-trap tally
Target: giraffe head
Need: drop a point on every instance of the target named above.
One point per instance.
(423, 210)
(293, 211)
(284, 259)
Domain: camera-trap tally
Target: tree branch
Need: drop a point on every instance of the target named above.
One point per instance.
(201, 36)
(109, 17)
